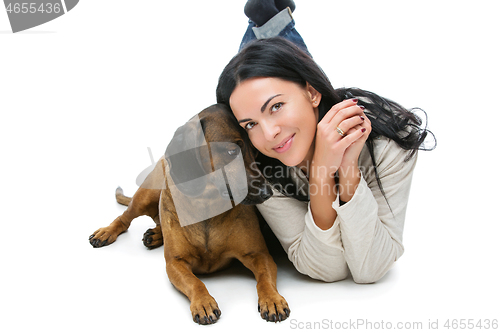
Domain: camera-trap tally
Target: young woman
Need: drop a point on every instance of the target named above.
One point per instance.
(340, 160)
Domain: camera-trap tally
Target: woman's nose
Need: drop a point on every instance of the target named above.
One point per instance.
(270, 129)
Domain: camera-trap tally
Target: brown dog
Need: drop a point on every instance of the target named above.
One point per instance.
(211, 244)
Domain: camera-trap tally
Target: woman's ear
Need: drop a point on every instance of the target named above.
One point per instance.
(314, 95)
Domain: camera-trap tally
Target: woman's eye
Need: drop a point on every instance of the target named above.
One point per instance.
(249, 125)
(232, 152)
(276, 107)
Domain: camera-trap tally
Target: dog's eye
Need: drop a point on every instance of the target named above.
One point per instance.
(232, 151)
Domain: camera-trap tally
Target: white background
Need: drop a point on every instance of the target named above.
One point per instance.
(83, 96)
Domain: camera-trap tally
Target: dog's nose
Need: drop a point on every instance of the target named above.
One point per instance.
(266, 192)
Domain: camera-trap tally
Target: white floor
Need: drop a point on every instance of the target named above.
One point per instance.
(84, 96)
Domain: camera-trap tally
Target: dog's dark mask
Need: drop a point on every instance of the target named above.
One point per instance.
(210, 146)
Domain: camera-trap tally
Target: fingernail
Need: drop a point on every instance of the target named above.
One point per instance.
(362, 118)
(355, 100)
(361, 107)
(363, 130)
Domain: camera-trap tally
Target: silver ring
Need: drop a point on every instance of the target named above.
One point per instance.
(341, 132)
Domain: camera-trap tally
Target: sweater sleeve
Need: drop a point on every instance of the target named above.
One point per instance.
(366, 237)
(312, 251)
(371, 224)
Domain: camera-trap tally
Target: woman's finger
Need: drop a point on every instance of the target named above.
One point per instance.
(346, 113)
(338, 107)
(353, 135)
(348, 124)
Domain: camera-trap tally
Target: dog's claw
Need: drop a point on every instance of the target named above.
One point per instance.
(205, 311)
(274, 311)
(205, 321)
(103, 236)
(152, 238)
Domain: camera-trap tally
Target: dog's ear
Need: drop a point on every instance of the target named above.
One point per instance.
(183, 157)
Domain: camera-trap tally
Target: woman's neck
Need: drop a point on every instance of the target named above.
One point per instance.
(305, 165)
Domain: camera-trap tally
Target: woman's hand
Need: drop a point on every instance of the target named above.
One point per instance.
(349, 174)
(351, 154)
(334, 151)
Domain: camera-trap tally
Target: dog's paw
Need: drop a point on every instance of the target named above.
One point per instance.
(102, 237)
(205, 310)
(153, 238)
(274, 309)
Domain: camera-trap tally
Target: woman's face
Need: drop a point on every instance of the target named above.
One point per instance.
(279, 116)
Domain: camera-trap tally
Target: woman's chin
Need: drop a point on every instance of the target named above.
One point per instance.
(291, 162)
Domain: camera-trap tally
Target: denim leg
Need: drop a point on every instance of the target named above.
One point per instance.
(249, 35)
(282, 24)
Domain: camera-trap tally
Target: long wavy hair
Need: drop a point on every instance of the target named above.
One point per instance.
(279, 58)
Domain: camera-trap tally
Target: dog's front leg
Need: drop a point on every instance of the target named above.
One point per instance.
(272, 306)
(204, 308)
(179, 263)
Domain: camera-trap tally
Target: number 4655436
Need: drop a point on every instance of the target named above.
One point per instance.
(26, 8)
(471, 324)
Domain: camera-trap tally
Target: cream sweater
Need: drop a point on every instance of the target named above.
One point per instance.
(366, 237)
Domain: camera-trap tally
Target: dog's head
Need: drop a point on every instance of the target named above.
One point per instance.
(211, 149)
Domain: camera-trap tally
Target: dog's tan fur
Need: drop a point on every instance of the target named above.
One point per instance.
(207, 246)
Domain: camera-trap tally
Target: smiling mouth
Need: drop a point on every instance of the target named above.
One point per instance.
(285, 145)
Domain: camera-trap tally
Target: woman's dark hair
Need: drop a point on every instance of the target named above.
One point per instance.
(279, 58)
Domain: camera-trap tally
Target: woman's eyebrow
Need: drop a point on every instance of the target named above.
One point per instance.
(243, 120)
(262, 109)
(267, 102)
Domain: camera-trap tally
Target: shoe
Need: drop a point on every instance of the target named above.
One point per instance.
(282, 4)
(261, 11)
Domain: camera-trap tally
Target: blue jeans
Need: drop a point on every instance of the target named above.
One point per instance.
(282, 24)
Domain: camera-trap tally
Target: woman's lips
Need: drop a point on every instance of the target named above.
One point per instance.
(285, 145)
